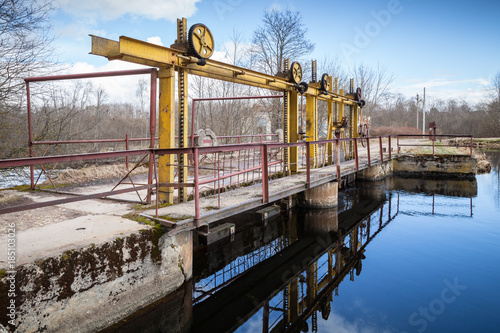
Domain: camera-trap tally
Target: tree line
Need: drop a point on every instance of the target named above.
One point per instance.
(83, 111)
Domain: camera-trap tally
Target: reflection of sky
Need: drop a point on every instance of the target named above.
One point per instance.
(412, 263)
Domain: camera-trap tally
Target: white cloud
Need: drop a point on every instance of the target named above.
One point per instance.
(472, 90)
(155, 40)
(113, 9)
(120, 89)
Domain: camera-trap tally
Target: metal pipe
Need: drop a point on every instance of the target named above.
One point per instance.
(126, 148)
(30, 135)
(381, 149)
(265, 180)
(196, 189)
(90, 75)
(356, 161)
(368, 151)
(152, 129)
(308, 164)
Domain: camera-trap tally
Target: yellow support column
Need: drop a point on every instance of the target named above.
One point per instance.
(341, 116)
(166, 123)
(311, 133)
(293, 129)
(329, 134)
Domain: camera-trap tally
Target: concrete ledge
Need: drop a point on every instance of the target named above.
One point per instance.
(89, 288)
(436, 166)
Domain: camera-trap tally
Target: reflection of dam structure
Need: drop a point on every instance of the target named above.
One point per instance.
(280, 273)
(298, 282)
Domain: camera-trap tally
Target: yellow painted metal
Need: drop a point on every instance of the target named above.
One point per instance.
(182, 90)
(136, 51)
(330, 117)
(202, 40)
(293, 301)
(311, 126)
(170, 60)
(293, 129)
(166, 123)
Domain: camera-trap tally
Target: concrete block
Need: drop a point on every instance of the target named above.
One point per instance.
(217, 233)
(268, 212)
(288, 203)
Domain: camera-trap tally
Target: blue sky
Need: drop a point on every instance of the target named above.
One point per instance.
(450, 47)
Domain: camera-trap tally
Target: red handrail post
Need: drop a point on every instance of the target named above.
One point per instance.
(30, 135)
(196, 189)
(265, 174)
(368, 151)
(356, 161)
(381, 149)
(389, 147)
(126, 148)
(308, 164)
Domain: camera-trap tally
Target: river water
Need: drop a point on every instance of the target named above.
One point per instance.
(400, 255)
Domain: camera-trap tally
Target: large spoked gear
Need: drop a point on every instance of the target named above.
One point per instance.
(325, 83)
(200, 41)
(295, 72)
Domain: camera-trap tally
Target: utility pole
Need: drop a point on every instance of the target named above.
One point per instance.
(423, 115)
(417, 109)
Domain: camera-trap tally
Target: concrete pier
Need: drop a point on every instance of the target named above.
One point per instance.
(322, 196)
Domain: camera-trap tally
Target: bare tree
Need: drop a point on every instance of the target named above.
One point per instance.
(24, 43)
(495, 87)
(375, 84)
(281, 36)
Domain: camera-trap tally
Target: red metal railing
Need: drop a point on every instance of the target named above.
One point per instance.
(153, 72)
(214, 168)
(222, 168)
(434, 138)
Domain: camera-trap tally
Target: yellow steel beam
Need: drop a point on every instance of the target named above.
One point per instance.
(166, 123)
(137, 51)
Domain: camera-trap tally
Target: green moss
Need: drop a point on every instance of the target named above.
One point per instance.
(21, 188)
(140, 219)
(175, 219)
(211, 208)
(3, 273)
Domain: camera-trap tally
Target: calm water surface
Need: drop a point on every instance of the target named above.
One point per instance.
(405, 256)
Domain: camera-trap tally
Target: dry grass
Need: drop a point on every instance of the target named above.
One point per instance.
(93, 173)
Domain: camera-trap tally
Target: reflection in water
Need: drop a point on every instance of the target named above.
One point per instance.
(398, 241)
(292, 287)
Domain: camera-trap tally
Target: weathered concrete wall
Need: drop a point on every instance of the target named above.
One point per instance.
(377, 172)
(437, 166)
(87, 289)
